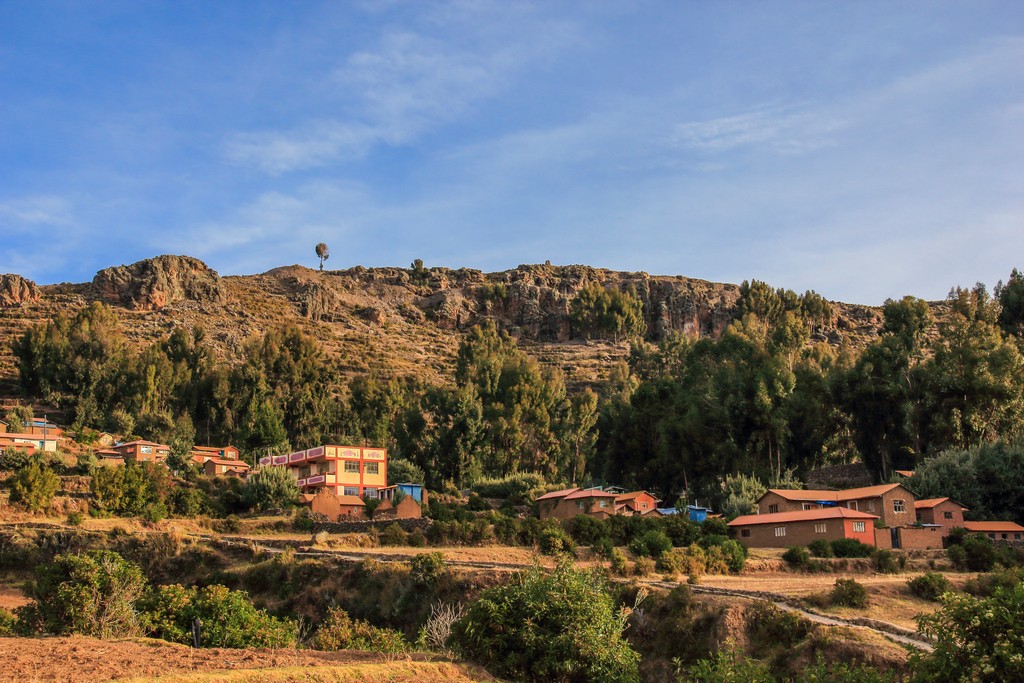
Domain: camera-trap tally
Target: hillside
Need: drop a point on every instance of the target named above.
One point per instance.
(389, 321)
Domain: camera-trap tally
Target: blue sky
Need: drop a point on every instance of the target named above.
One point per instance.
(863, 149)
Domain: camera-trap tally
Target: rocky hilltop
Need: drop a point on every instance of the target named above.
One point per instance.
(390, 321)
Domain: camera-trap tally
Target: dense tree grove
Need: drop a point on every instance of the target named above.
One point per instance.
(686, 416)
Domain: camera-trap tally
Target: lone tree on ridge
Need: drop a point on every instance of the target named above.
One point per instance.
(323, 252)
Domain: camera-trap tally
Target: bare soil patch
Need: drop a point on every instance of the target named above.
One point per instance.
(11, 598)
(84, 660)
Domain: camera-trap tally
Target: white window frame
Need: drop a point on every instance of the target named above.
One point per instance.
(820, 528)
(351, 467)
(371, 468)
(859, 528)
(780, 531)
(899, 505)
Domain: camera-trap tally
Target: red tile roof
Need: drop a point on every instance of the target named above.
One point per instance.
(932, 502)
(589, 493)
(634, 494)
(557, 494)
(836, 496)
(992, 527)
(801, 516)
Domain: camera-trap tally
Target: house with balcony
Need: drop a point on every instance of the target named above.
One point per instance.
(342, 470)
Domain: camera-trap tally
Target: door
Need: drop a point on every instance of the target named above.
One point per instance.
(895, 535)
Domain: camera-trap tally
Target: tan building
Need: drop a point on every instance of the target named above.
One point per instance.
(200, 454)
(892, 503)
(568, 503)
(997, 531)
(636, 503)
(33, 443)
(801, 527)
(216, 467)
(141, 451)
(941, 512)
(335, 508)
(342, 470)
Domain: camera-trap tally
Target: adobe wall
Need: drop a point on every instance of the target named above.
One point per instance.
(917, 538)
(802, 533)
(770, 499)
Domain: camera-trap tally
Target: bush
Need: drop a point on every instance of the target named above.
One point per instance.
(644, 566)
(651, 544)
(34, 486)
(340, 632)
(617, 561)
(588, 530)
(229, 619)
(553, 541)
(821, 548)
(13, 459)
(975, 639)
(393, 535)
(92, 594)
(427, 568)
(851, 547)
(189, 501)
(270, 488)
(769, 626)
(559, 625)
(888, 562)
(416, 539)
(848, 593)
(691, 561)
(975, 553)
(75, 518)
(229, 525)
(797, 556)
(986, 585)
(603, 548)
(929, 586)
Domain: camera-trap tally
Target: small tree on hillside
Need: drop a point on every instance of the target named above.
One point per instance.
(34, 486)
(323, 253)
(270, 488)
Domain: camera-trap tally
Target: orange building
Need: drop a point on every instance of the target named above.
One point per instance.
(636, 503)
(343, 470)
(214, 467)
(997, 531)
(942, 512)
(568, 503)
(800, 527)
(140, 451)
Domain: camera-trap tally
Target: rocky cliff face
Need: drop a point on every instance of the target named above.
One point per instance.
(151, 284)
(16, 290)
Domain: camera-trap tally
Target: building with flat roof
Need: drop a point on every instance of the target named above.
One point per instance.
(343, 470)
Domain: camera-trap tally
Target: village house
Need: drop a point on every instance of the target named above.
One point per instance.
(414, 491)
(31, 443)
(941, 512)
(138, 451)
(342, 470)
(335, 508)
(568, 503)
(636, 503)
(801, 527)
(893, 504)
(216, 467)
(997, 531)
(407, 508)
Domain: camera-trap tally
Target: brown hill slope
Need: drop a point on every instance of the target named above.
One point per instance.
(389, 321)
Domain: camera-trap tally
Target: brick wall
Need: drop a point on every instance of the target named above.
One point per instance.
(927, 538)
(802, 533)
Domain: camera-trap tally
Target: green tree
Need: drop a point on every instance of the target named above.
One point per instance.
(976, 639)
(546, 625)
(34, 486)
(323, 253)
(600, 311)
(19, 418)
(93, 594)
(1011, 302)
(269, 488)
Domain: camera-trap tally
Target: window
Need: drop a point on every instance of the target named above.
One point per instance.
(146, 449)
(947, 515)
(745, 533)
(603, 503)
(371, 468)
(772, 509)
(643, 506)
(852, 505)
(807, 506)
(871, 506)
(780, 531)
(351, 467)
(992, 536)
(899, 506)
(820, 528)
(579, 505)
(351, 490)
(1016, 537)
(858, 527)
(1004, 536)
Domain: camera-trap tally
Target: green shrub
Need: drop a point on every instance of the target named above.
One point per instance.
(651, 544)
(975, 553)
(270, 488)
(888, 562)
(426, 568)
(769, 626)
(34, 486)
(587, 530)
(929, 586)
(797, 556)
(93, 594)
(553, 541)
(691, 561)
(8, 623)
(519, 487)
(848, 593)
(189, 501)
(603, 548)
(229, 525)
(13, 459)
(154, 512)
(544, 625)
(726, 666)
(617, 561)
(393, 535)
(851, 547)
(820, 548)
(75, 518)
(416, 539)
(986, 585)
(644, 566)
(339, 631)
(229, 619)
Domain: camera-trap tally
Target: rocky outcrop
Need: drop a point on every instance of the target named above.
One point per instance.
(154, 283)
(16, 290)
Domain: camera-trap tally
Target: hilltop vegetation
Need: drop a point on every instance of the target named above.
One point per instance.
(767, 397)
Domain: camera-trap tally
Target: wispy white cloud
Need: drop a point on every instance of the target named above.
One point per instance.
(27, 213)
(408, 84)
(792, 129)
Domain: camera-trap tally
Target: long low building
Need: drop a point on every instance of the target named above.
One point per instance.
(800, 527)
(997, 531)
